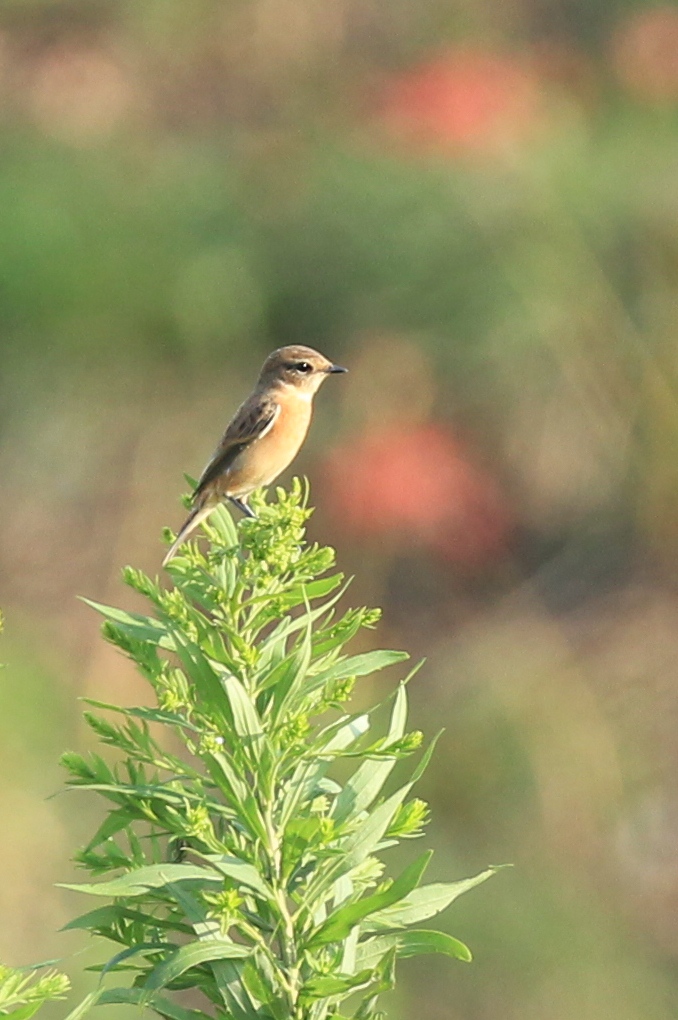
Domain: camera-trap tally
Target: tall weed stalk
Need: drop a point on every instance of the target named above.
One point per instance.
(232, 859)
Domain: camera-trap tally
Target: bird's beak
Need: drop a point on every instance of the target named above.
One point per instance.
(333, 369)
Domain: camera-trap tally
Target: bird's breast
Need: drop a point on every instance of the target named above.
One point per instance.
(264, 459)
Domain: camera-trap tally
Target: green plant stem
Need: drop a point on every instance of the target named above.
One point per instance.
(288, 945)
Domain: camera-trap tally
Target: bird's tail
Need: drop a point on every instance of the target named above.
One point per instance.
(196, 517)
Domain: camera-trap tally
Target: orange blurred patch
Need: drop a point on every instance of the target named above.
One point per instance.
(465, 99)
(418, 485)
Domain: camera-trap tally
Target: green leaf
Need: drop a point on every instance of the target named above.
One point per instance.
(425, 902)
(335, 986)
(134, 950)
(385, 971)
(224, 525)
(340, 923)
(411, 943)
(139, 997)
(348, 959)
(141, 628)
(261, 979)
(241, 872)
(289, 673)
(207, 683)
(273, 646)
(301, 593)
(383, 981)
(425, 759)
(246, 721)
(150, 793)
(254, 982)
(227, 973)
(114, 822)
(105, 917)
(24, 1012)
(293, 672)
(149, 714)
(366, 782)
(85, 1005)
(102, 917)
(226, 778)
(358, 665)
(333, 636)
(141, 880)
(300, 788)
(193, 955)
(356, 847)
(236, 791)
(347, 734)
(361, 843)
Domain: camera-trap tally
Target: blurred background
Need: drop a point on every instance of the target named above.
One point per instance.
(474, 205)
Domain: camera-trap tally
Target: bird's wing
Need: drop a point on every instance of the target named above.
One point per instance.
(251, 421)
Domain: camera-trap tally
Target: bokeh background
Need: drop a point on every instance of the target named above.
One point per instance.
(474, 205)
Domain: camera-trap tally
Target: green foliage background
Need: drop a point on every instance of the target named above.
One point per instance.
(183, 188)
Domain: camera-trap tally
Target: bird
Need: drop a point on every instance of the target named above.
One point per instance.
(264, 435)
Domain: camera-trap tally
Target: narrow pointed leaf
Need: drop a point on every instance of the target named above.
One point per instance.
(112, 823)
(141, 628)
(241, 872)
(141, 880)
(299, 788)
(24, 1012)
(227, 973)
(339, 985)
(425, 759)
(411, 943)
(347, 734)
(224, 525)
(348, 959)
(236, 791)
(85, 1005)
(207, 683)
(356, 847)
(287, 688)
(357, 665)
(301, 593)
(425, 902)
(104, 917)
(140, 997)
(340, 923)
(291, 625)
(367, 781)
(363, 841)
(246, 721)
(149, 714)
(290, 673)
(135, 950)
(193, 955)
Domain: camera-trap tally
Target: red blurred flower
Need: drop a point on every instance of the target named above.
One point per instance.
(645, 53)
(418, 485)
(465, 99)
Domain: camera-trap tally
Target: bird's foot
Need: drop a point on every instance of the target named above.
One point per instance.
(242, 506)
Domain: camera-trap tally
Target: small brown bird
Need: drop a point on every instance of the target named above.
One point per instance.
(263, 437)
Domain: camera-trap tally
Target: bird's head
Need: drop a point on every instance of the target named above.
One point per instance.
(297, 366)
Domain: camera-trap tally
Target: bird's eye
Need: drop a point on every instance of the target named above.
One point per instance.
(303, 366)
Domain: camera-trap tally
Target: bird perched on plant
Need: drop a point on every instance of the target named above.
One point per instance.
(263, 437)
